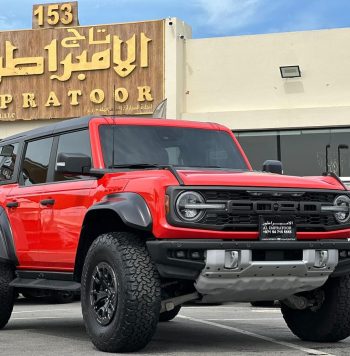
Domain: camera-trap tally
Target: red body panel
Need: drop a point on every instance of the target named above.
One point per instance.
(47, 237)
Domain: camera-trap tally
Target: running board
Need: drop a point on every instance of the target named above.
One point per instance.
(45, 280)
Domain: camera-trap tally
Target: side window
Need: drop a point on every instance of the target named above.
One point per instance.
(8, 156)
(36, 161)
(74, 142)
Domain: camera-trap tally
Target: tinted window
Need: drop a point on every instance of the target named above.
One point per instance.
(182, 147)
(259, 146)
(74, 142)
(338, 157)
(36, 161)
(8, 155)
(303, 152)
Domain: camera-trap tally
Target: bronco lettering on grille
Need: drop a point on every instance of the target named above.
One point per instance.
(261, 207)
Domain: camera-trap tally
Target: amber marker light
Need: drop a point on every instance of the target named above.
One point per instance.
(167, 204)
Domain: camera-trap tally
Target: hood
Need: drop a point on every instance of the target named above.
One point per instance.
(257, 179)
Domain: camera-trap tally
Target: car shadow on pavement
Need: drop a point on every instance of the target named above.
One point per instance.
(177, 336)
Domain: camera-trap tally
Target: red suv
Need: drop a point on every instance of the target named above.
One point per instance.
(143, 215)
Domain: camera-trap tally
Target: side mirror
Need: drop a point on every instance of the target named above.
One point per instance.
(7, 151)
(273, 166)
(74, 163)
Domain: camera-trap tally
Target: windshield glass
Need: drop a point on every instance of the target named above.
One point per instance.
(178, 146)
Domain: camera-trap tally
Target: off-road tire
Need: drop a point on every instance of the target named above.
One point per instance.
(328, 323)
(169, 315)
(7, 294)
(138, 293)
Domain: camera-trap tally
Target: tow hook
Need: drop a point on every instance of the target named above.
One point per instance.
(298, 302)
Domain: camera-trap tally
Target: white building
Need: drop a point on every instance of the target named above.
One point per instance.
(236, 81)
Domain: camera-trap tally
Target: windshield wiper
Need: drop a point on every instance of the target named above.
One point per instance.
(136, 165)
(169, 167)
(213, 167)
(191, 166)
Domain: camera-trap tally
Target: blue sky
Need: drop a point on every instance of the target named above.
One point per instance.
(207, 18)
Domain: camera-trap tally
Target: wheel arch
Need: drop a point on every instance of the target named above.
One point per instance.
(117, 212)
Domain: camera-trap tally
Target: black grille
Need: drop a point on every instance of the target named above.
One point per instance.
(249, 222)
(247, 195)
(307, 214)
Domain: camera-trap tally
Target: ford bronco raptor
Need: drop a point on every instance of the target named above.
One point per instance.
(143, 215)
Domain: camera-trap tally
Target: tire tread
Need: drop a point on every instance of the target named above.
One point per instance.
(331, 322)
(142, 293)
(6, 294)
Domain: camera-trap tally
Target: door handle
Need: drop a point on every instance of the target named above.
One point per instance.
(47, 202)
(12, 204)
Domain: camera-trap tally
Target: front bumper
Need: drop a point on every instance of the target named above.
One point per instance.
(265, 270)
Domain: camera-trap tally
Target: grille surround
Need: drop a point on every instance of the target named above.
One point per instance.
(303, 205)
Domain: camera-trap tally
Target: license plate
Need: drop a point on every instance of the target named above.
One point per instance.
(277, 228)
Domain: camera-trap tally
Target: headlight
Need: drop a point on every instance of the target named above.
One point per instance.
(185, 209)
(343, 202)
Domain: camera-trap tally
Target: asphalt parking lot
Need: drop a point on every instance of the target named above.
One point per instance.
(235, 329)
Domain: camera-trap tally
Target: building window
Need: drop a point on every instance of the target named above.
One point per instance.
(259, 146)
(303, 152)
(339, 152)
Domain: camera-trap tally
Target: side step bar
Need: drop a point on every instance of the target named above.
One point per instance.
(45, 280)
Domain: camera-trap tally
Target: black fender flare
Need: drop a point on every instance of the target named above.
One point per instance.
(130, 207)
(7, 247)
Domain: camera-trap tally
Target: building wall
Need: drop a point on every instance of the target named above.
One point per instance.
(236, 80)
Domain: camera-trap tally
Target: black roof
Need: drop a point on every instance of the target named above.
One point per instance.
(72, 124)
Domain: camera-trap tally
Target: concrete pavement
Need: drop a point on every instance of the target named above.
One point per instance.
(235, 329)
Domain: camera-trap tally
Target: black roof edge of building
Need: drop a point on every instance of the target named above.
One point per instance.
(71, 124)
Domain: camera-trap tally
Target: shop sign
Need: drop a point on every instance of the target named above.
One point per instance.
(64, 72)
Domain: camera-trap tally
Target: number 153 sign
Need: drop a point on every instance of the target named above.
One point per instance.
(55, 15)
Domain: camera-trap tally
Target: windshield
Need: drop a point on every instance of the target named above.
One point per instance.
(162, 145)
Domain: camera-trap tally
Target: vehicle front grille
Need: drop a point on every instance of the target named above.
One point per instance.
(245, 207)
(233, 222)
(275, 195)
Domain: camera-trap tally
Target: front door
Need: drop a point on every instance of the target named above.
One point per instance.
(64, 204)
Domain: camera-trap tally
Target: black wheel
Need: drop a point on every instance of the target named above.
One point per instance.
(169, 315)
(7, 294)
(61, 297)
(120, 293)
(329, 319)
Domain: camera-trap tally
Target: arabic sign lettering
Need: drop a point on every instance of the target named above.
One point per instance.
(277, 227)
(69, 72)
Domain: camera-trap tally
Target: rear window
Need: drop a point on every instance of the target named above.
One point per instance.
(8, 156)
(36, 161)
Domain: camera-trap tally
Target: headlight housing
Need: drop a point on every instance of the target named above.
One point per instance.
(342, 201)
(185, 209)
